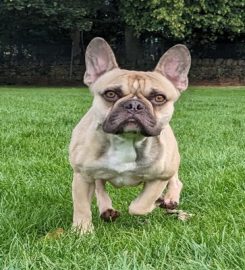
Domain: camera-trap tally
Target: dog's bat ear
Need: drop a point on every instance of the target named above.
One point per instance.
(175, 65)
(99, 59)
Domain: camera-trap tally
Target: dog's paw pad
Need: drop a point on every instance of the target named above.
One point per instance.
(167, 204)
(110, 215)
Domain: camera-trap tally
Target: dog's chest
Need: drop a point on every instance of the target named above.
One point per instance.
(126, 162)
(119, 164)
(121, 156)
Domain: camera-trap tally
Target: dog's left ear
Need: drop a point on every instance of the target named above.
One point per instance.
(99, 59)
(175, 65)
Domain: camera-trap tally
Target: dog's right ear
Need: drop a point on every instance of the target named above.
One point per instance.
(99, 59)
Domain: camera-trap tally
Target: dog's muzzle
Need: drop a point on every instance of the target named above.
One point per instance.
(131, 116)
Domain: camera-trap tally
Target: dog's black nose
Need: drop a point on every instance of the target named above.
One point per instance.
(134, 106)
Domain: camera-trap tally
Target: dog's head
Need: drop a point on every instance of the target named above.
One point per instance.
(134, 101)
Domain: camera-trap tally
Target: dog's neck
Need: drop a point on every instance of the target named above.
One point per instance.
(134, 146)
(128, 137)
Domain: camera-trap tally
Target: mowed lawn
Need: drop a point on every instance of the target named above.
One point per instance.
(35, 188)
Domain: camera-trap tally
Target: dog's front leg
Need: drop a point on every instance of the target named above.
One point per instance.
(107, 212)
(146, 201)
(82, 193)
(170, 200)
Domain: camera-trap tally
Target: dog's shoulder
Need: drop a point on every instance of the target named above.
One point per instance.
(80, 132)
(171, 156)
(85, 140)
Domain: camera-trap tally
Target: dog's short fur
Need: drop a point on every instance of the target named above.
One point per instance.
(125, 137)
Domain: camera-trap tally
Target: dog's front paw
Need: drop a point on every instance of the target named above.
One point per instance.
(110, 215)
(83, 229)
(167, 203)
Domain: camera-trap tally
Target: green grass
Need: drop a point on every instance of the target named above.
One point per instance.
(35, 188)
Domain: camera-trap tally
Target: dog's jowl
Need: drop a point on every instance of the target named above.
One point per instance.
(125, 137)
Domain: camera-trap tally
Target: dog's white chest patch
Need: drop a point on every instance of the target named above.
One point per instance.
(119, 164)
(121, 156)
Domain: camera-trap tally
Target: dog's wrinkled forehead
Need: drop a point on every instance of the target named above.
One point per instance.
(134, 83)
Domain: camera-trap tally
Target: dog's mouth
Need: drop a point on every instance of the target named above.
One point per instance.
(131, 125)
(137, 124)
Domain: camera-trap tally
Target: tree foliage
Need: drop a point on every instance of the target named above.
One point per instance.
(30, 23)
(203, 20)
(41, 19)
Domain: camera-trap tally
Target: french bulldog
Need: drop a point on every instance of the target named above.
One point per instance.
(125, 137)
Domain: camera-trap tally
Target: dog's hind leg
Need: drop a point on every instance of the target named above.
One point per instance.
(107, 212)
(146, 201)
(170, 200)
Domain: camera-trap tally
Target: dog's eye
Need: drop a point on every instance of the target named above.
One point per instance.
(110, 95)
(159, 99)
